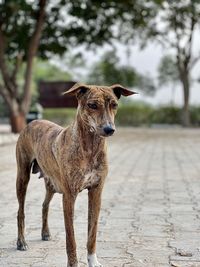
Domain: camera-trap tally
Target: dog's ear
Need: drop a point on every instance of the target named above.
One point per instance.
(119, 90)
(78, 89)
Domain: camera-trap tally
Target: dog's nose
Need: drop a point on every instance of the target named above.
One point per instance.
(108, 130)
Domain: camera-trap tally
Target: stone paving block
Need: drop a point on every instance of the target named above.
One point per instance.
(112, 249)
(124, 235)
(153, 219)
(141, 264)
(150, 256)
(187, 250)
(153, 210)
(154, 230)
(184, 264)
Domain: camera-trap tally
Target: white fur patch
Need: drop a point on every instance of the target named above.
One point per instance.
(93, 262)
(91, 178)
(90, 175)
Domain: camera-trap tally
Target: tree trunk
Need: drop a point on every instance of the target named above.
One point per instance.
(186, 95)
(17, 122)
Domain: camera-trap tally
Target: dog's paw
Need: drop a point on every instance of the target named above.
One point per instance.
(92, 261)
(21, 245)
(46, 236)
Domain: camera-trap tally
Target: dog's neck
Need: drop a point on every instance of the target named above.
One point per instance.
(89, 142)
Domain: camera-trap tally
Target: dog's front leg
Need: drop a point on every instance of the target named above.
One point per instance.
(68, 208)
(94, 205)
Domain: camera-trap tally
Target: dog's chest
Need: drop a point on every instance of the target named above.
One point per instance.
(90, 179)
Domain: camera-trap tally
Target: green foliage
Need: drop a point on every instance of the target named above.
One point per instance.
(98, 19)
(68, 23)
(18, 19)
(140, 114)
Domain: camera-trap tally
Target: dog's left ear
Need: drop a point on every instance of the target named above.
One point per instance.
(78, 89)
(119, 90)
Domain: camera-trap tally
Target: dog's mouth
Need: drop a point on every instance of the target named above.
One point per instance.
(105, 135)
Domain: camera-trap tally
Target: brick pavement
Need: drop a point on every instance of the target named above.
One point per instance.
(6, 137)
(151, 206)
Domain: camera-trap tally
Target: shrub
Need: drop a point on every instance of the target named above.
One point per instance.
(195, 115)
(61, 116)
(134, 115)
(166, 115)
(137, 114)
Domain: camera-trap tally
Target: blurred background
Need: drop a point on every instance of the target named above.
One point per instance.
(151, 46)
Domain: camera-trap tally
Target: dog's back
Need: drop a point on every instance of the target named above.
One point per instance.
(38, 131)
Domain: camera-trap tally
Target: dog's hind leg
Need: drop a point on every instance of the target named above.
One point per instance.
(45, 209)
(23, 177)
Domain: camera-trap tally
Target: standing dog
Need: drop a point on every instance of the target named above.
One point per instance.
(70, 159)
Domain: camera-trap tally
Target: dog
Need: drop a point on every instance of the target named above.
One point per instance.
(70, 160)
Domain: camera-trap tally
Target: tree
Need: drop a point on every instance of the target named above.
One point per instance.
(25, 32)
(168, 73)
(109, 71)
(14, 24)
(172, 24)
(179, 20)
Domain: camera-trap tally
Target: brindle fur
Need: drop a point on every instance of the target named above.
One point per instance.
(70, 159)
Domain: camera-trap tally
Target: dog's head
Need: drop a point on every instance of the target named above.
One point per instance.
(97, 106)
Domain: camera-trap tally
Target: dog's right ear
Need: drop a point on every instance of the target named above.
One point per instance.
(79, 89)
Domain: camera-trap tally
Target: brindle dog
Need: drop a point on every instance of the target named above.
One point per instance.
(70, 159)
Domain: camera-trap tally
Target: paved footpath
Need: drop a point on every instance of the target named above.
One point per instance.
(151, 206)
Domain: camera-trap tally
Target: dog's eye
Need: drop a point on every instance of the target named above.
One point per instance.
(92, 106)
(114, 105)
